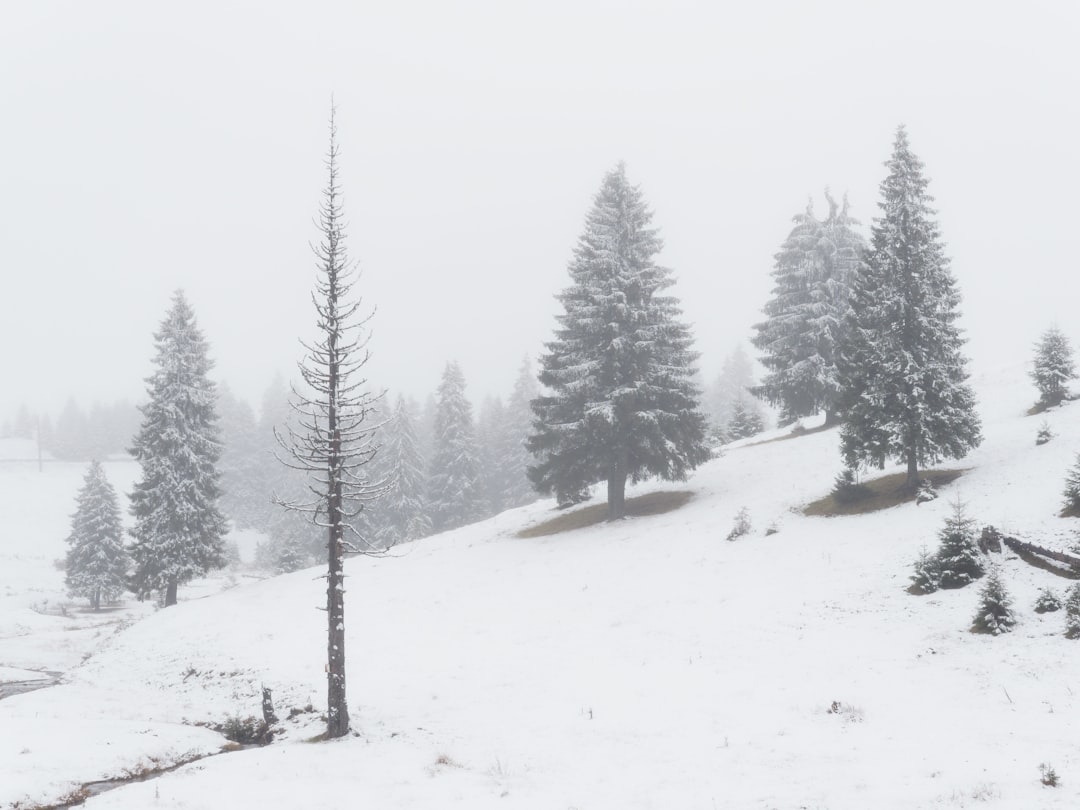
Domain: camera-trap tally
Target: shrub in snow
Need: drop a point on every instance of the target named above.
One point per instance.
(958, 559)
(1047, 601)
(1072, 612)
(926, 492)
(995, 614)
(1053, 367)
(1044, 435)
(742, 525)
(847, 489)
(1072, 490)
(927, 574)
(1048, 776)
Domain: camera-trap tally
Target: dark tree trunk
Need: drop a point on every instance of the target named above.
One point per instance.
(616, 490)
(832, 418)
(170, 593)
(912, 482)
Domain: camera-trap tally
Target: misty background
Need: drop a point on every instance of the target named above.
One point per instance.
(147, 148)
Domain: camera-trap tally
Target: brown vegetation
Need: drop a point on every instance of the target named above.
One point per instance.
(654, 503)
(882, 493)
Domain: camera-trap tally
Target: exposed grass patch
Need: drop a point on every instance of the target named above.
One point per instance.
(653, 503)
(881, 493)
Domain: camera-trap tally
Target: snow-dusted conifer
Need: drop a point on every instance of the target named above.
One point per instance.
(97, 561)
(1053, 367)
(1072, 612)
(959, 561)
(814, 270)
(994, 614)
(178, 527)
(926, 575)
(455, 492)
(1047, 602)
(1071, 505)
(745, 422)
(402, 510)
(732, 385)
(621, 400)
(517, 490)
(903, 376)
(490, 438)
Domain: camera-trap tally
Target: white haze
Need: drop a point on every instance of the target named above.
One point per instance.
(146, 148)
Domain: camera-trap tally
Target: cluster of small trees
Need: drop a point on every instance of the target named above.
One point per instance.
(76, 434)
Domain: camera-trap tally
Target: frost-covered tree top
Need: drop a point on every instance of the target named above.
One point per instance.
(455, 494)
(621, 401)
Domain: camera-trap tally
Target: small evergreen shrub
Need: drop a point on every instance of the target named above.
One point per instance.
(742, 525)
(1047, 601)
(994, 615)
(958, 558)
(1044, 435)
(1072, 490)
(847, 489)
(1048, 776)
(926, 576)
(1072, 612)
(926, 492)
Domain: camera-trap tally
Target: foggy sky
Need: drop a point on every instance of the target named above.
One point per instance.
(146, 148)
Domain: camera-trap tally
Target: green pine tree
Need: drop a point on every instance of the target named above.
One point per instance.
(903, 376)
(994, 614)
(959, 561)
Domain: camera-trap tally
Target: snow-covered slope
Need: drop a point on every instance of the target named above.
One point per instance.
(642, 664)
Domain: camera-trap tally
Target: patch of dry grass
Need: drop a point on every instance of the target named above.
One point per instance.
(884, 493)
(795, 433)
(653, 503)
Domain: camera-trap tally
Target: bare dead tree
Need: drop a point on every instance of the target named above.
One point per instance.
(331, 434)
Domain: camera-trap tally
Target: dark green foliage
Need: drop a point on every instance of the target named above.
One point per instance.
(847, 489)
(903, 377)
(97, 562)
(1053, 367)
(958, 557)
(178, 528)
(1072, 490)
(621, 400)
(1047, 602)
(1072, 612)
(994, 614)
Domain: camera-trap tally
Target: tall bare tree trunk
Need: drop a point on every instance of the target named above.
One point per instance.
(170, 593)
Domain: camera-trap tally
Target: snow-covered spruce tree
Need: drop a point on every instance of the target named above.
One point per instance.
(732, 385)
(959, 561)
(621, 401)
(518, 491)
(331, 439)
(805, 317)
(926, 575)
(994, 614)
(1053, 367)
(402, 510)
(97, 561)
(744, 422)
(178, 527)
(455, 490)
(1072, 612)
(900, 366)
(1071, 506)
(1047, 602)
(490, 432)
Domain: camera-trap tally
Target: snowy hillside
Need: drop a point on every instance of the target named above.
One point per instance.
(642, 664)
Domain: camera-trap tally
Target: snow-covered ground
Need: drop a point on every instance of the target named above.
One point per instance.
(642, 664)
